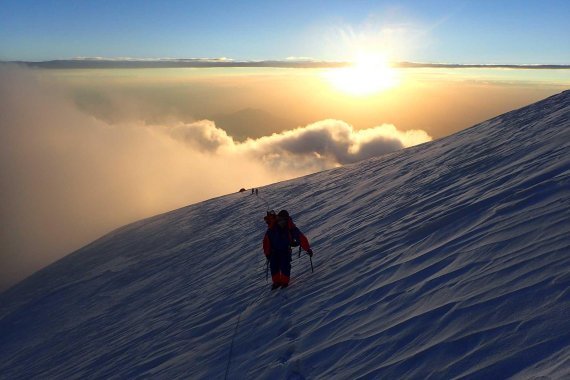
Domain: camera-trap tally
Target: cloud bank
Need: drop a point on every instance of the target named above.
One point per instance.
(321, 145)
(290, 62)
(67, 178)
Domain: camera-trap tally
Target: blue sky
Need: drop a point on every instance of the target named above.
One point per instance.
(484, 31)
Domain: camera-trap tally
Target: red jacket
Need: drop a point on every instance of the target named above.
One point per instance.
(274, 239)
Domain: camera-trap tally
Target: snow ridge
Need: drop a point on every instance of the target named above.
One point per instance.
(446, 260)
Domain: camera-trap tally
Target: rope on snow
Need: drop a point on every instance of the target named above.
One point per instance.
(236, 330)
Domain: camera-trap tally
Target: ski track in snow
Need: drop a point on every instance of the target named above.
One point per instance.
(447, 260)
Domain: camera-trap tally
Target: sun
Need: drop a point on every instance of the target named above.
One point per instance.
(368, 75)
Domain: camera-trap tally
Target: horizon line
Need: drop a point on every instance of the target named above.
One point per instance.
(133, 63)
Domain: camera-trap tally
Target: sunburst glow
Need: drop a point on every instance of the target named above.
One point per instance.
(368, 75)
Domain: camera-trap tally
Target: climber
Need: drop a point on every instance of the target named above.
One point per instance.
(281, 235)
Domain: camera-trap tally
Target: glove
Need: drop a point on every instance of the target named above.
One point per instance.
(310, 252)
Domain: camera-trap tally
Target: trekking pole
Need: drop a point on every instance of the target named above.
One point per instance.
(312, 270)
(266, 270)
(299, 251)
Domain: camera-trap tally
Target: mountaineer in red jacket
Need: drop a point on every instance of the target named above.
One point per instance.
(281, 235)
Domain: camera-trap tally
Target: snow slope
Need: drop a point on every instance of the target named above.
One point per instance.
(446, 260)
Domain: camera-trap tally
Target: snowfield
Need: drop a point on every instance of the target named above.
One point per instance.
(447, 260)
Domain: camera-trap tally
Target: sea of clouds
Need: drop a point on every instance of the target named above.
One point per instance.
(68, 177)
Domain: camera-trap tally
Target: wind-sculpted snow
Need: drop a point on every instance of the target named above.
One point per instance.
(447, 260)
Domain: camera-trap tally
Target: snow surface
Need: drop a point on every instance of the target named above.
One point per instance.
(446, 260)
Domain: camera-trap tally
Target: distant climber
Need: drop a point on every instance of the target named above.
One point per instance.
(256, 191)
(252, 191)
(281, 235)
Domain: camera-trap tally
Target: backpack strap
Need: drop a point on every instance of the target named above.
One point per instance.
(295, 236)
